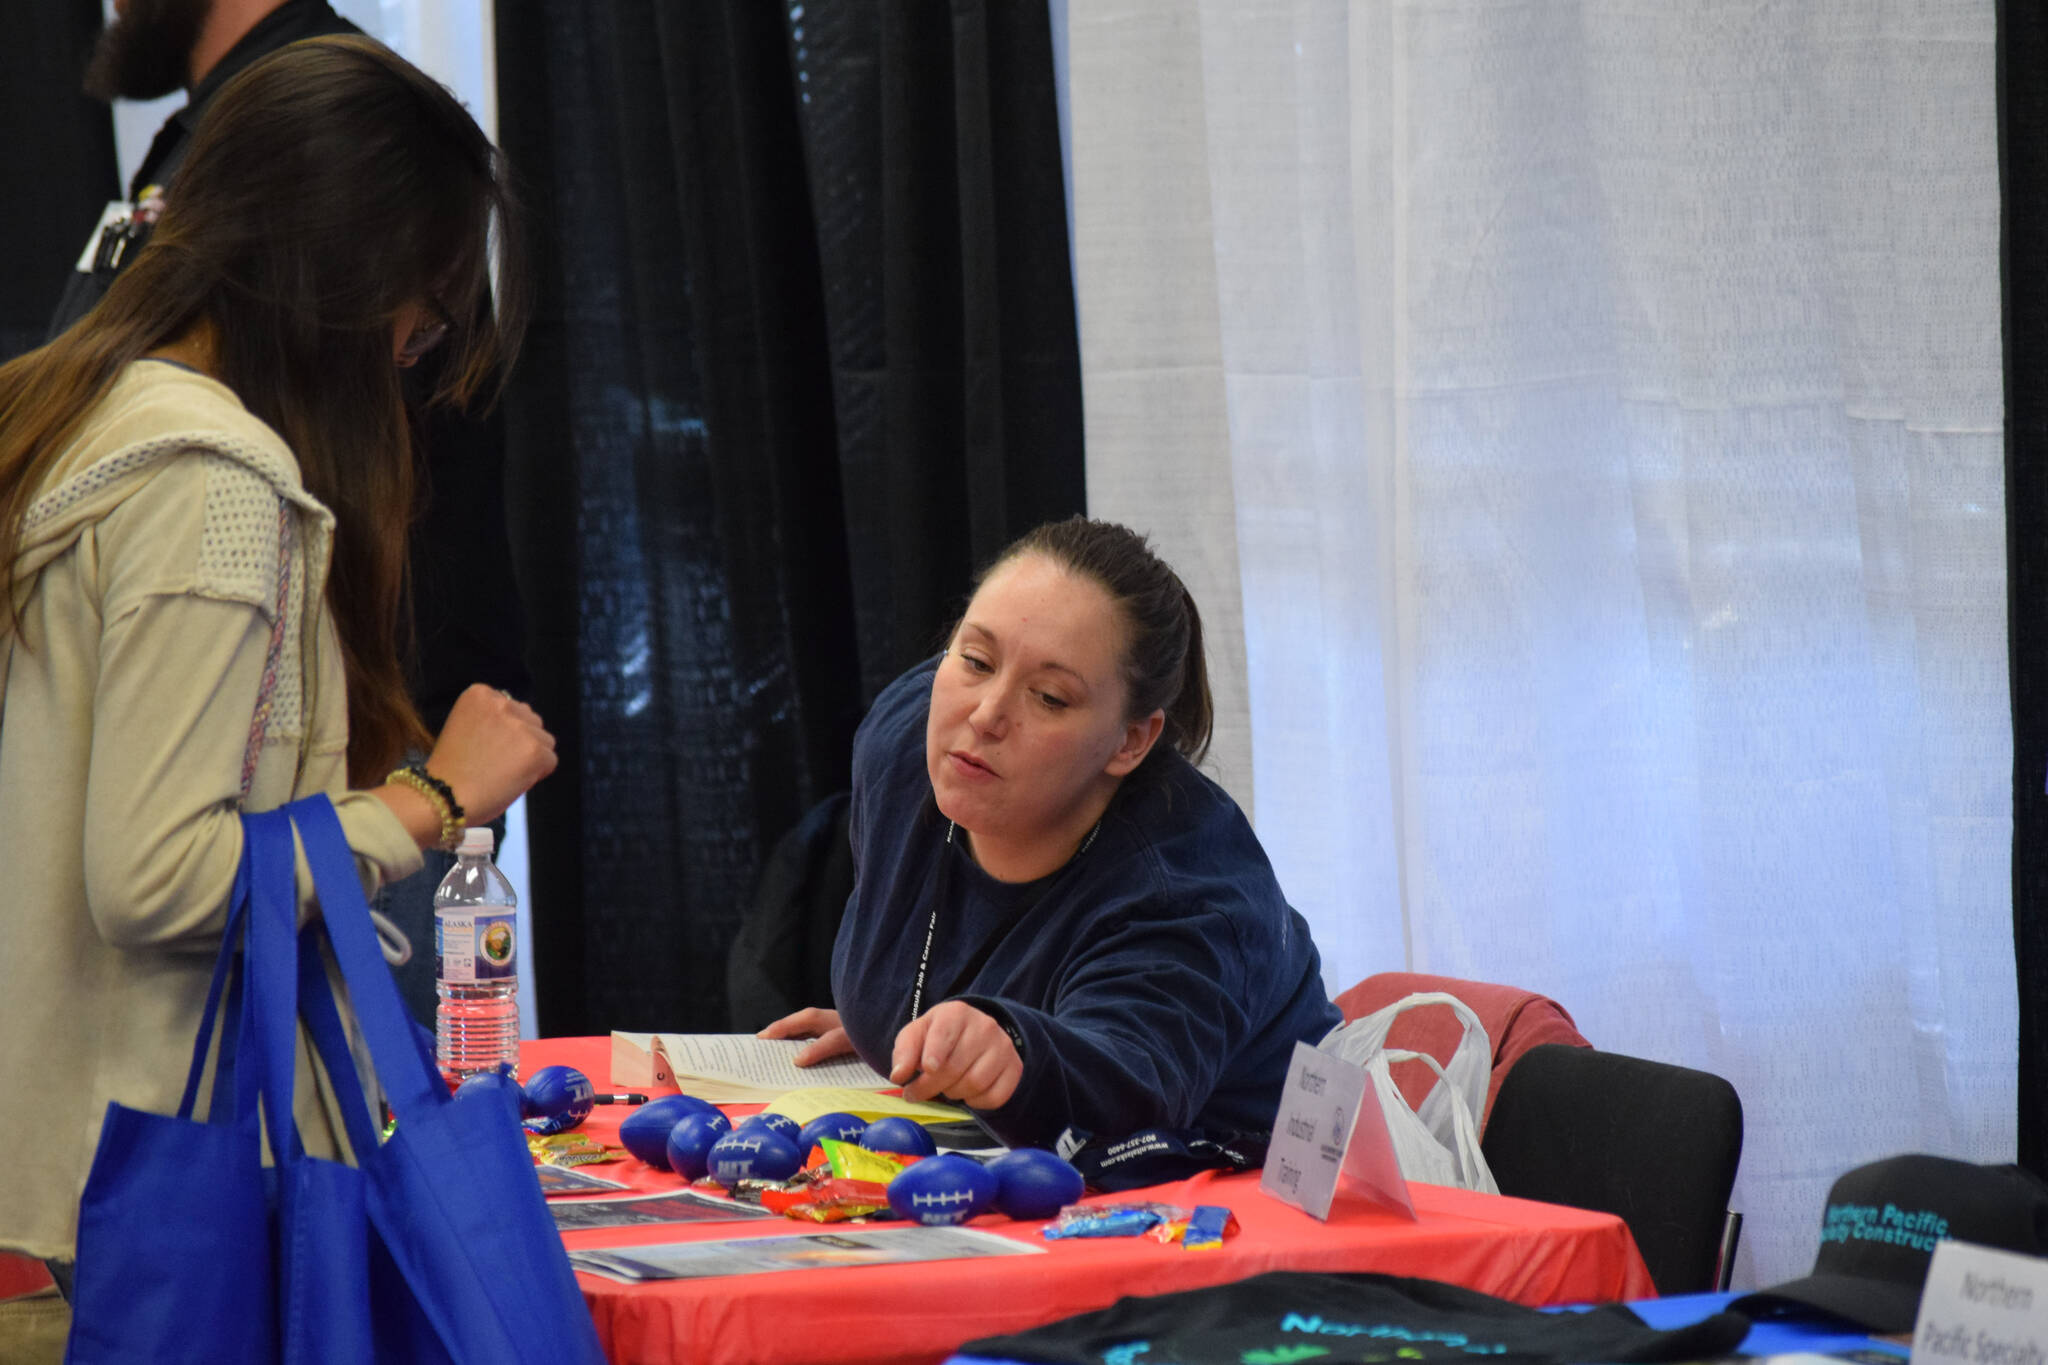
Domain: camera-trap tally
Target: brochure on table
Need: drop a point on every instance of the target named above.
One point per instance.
(800, 1251)
(673, 1206)
(730, 1068)
(564, 1180)
(738, 1068)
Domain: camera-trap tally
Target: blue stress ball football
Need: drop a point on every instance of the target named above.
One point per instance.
(645, 1131)
(691, 1140)
(556, 1099)
(496, 1086)
(900, 1135)
(942, 1190)
(757, 1153)
(779, 1123)
(1033, 1183)
(840, 1127)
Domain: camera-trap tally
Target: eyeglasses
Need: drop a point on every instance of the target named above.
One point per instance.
(428, 333)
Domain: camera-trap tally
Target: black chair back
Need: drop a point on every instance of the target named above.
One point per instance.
(1653, 1143)
(781, 959)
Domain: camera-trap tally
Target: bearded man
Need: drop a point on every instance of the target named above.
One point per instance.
(153, 48)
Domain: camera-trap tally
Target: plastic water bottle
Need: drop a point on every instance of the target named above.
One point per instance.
(476, 964)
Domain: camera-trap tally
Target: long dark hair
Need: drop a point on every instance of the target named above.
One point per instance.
(329, 186)
(1163, 663)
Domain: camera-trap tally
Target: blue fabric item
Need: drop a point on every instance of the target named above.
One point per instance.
(435, 1246)
(174, 1226)
(452, 1197)
(324, 1304)
(1159, 979)
(1817, 1335)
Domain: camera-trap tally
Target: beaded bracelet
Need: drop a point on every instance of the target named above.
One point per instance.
(440, 796)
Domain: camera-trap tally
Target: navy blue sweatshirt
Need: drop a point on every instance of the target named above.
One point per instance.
(1159, 979)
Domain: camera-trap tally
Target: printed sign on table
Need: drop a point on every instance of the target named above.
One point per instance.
(1982, 1307)
(1330, 1140)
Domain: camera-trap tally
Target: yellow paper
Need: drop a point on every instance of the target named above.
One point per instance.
(808, 1103)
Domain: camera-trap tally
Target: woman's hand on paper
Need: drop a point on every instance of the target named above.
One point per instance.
(956, 1051)
(821, 1025)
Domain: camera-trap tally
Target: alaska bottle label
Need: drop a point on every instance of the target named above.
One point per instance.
(479, 946)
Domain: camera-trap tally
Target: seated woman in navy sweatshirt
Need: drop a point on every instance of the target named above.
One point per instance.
(1056, 920)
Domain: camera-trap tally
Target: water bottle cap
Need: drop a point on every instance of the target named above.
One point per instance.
(477, 839)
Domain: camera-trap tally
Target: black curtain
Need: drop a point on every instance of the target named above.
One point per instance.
(2023, 172)
(804, 355)
(57, 165)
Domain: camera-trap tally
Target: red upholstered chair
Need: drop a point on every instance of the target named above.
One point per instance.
(34, 1321)
(1515, 1021)
(21, 1275)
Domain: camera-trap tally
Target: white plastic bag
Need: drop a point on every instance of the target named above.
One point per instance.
(1438, 1144)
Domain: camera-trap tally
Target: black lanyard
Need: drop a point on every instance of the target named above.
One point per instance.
(940, 884)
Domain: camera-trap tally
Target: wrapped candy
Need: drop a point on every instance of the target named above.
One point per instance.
(570, 1149)
(1112, 1220)
(831, 1200)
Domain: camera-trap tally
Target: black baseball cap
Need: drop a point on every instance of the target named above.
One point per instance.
(1880, 1228)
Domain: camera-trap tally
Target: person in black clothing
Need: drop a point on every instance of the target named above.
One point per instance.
(1057, 920)
(468, 624)
(153, 48)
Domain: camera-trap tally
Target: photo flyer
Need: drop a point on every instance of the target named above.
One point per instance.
(801, 1251)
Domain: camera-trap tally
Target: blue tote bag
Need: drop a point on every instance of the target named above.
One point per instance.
(174, 1260)
(461, 1238)
(436, 1244)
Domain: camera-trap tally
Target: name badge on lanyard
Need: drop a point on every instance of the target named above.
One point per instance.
(122, 229)
(114, 218)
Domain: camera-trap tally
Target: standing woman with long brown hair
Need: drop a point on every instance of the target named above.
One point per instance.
(204, 488)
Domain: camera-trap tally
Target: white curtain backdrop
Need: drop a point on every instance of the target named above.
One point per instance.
(1581, 424)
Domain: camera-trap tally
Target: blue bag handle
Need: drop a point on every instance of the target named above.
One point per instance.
(272, 975)
(288, 992)
(230, 970)
(330, 1040)
(221, 967)
(404, 1067)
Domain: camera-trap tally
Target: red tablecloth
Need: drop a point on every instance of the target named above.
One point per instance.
(1532, 1253)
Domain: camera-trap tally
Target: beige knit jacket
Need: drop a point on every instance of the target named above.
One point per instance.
(176, 664)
